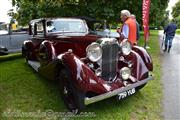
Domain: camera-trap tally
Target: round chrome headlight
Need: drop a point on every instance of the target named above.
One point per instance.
(94, 52)
(126, 47)
(125, 73)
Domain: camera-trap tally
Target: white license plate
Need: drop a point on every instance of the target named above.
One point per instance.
(126, 93)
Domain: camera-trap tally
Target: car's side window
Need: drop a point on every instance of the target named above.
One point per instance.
(39, 29)
(50, 26)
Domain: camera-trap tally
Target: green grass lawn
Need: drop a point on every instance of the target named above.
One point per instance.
(10, 56)
(178, 31)
(23, 90)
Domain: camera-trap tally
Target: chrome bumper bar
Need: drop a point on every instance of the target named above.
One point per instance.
(88, 101)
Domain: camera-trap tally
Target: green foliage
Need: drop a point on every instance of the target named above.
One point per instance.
(178, 31)
(176, 10)
(99, 9)
(175, 13)
(158, 13)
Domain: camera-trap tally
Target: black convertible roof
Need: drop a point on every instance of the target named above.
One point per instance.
(88, 19)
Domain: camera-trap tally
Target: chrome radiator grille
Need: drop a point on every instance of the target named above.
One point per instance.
(109, 60)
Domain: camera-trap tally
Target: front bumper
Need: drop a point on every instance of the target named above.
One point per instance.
(91, 100)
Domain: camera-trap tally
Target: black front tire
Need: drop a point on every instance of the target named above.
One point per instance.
(72, 97)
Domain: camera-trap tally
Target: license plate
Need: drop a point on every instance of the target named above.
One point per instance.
(126, 93)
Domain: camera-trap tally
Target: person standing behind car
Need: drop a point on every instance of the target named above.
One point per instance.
(128, 29)
(170, 31)
(137, 27)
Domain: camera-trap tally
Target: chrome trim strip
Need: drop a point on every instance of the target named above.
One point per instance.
(88, 101)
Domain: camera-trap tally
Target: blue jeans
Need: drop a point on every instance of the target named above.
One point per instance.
(169, 40)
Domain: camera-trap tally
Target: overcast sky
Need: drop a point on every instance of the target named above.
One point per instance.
(5, 6)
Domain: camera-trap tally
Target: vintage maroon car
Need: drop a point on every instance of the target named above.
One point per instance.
(90, 62)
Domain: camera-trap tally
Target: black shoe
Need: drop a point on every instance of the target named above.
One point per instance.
(165, 48)
(169, 48)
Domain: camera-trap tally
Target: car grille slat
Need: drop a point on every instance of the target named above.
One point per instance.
(109, 60)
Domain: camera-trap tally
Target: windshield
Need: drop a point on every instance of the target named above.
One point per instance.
(66, 25)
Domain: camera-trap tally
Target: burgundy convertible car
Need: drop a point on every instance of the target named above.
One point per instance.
(90, 62)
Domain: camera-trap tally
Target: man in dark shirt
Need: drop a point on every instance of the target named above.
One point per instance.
(137, 27)
(170, 31)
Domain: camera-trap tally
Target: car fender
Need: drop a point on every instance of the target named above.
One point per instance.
(145, 56)
(48, 50)
(28, 50)
(135, 62)
(139, 67)
(82, 75)
(28, 45)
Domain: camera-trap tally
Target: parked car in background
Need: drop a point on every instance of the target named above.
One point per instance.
(3, 32)
(3, 50)
(3, 28)
(90, 62)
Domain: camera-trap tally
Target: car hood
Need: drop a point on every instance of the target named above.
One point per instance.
(75, 36)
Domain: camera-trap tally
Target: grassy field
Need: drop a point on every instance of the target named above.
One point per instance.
(10, 56)
(178, 31)
(23, 91)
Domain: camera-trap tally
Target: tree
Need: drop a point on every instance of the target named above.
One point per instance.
(175, 13)
(99, 9)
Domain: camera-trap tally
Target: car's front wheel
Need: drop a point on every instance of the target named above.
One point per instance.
(72, 97)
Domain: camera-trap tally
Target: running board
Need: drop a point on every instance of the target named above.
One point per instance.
(88, 101)
(34, 64)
